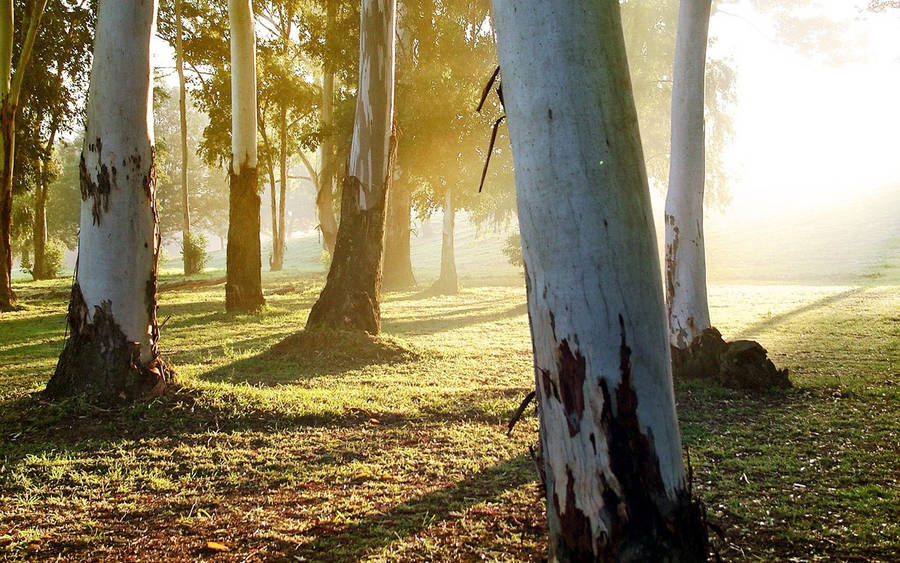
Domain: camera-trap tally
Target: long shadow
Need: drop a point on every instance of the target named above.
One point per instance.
(415, 515)
(442, 324)
(782, 317)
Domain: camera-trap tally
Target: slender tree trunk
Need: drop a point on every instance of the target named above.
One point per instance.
(351, 297)
(398, 272)
(615, 480)
(243, 287)
(686, 299)
(328, 225)
(190, 266)
(278, 256)
(39, 228)
(113, 332)
(447, 282)
(10, 87)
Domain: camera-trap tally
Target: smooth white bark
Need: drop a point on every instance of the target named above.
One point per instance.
(243, 85)
(119, 238)
(593, 277)
(373, 121)
(686, 297)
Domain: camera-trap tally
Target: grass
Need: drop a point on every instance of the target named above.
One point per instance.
(397, 451)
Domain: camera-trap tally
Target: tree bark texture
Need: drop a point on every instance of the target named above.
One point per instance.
(112, 349)
(351, 297)
(448, 282)
(686, 298)
(328, 225)
(243, 254)
(398, 272)
(243, 288)
(615, 481)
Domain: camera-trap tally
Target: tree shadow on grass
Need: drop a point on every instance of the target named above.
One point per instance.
(305, 355)
(413, 516)
(775, 320)
(417, 325)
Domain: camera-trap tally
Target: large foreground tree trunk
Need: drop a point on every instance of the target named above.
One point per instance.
(10, 88)
(243, 287)
(686, 299)
(113, 333)
(351, 297)
(328, 225)
(615, 480)
(398, 273)
(448, 283)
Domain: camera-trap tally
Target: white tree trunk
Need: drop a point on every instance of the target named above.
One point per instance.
(112, 315)
(243, 85)
(373, 122)
(243, 286)
(609, 434)
(686, 298)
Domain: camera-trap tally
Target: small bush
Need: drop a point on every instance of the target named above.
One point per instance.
(54, 251)
(193, 252)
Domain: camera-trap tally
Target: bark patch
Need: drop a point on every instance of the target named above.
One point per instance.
(99, 361)
(576, 535)
(571, 385)
(645, 524)
(243, 255)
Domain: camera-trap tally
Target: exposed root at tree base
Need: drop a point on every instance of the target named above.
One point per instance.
(741, 364)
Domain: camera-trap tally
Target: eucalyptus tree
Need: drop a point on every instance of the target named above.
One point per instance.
(112, 349)
(447, 55)
(10, 90)
(351, 296)
(615, 481)
(243, 284)
(686, 298)
(52, 103)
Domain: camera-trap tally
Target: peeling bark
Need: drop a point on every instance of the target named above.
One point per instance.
(686, 299)
(243, 269)
(352, 293)
(611, 450)
(112, 350)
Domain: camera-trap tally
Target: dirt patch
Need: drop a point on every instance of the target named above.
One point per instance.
(343, 349)
(742, 364)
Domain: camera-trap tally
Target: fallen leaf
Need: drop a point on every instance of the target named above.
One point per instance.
(216, 546)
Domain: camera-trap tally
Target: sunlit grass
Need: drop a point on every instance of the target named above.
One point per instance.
(403, 455)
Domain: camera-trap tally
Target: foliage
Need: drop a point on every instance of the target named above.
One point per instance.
(193, 252)
(54, 251)
(513, 250)
(207, 184)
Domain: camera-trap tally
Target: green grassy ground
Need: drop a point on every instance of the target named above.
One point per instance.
(397, 451)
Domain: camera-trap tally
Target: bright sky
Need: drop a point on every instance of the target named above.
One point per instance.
(807, 133)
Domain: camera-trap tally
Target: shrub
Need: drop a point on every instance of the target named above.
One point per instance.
(193, 252)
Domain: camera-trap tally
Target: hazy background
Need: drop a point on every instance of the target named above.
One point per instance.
(813, 169)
